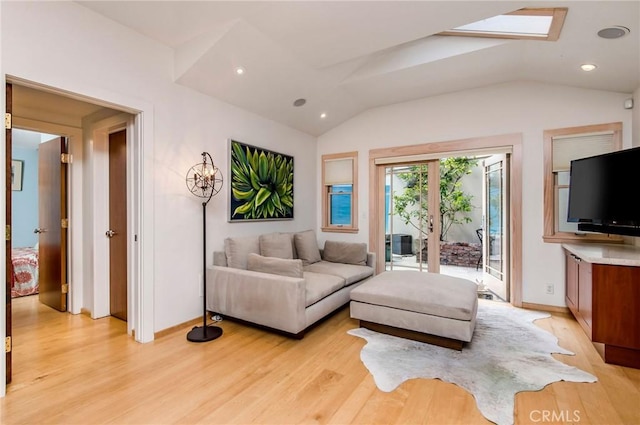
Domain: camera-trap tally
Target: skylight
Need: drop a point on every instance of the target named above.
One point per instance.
(540, 24)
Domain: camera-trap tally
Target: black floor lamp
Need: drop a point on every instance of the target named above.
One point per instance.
(204, 180)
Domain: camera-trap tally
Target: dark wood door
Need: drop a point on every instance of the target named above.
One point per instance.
(117, 232)
(571, 277)
(9, 266)
(52, 230)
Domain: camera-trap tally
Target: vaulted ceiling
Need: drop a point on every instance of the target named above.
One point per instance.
(347, 57)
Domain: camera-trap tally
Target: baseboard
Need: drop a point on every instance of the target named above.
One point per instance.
(544, 307)
(179, 327)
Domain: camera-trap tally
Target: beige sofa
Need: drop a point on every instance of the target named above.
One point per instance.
(283, 281)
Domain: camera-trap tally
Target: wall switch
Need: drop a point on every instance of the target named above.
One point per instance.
(549, 289)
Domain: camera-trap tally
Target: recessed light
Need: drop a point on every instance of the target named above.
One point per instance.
(239, 70)
(588, 67)
(612, 32)
(299, 102)
(323, 115)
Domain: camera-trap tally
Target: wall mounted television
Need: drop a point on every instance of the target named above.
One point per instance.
(604, 193)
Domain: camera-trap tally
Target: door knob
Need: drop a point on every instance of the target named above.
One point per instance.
(39, 230)
(110, 233)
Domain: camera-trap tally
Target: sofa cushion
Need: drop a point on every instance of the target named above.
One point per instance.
(276, 245)
(307, 247)
(351, 273)
(345, 252)
(427, 293)
(273, 265)
(319, 286)
(238, 248)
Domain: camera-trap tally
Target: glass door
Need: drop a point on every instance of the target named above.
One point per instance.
(410, 226)
(495, 227)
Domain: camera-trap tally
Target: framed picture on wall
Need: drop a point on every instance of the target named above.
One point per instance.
(16, 174)
(261, 184)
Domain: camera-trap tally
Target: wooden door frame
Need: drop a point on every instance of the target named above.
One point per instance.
(6, 322)
(412, 153)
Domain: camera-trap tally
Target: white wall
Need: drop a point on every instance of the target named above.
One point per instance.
(82, 52)
(527, 108)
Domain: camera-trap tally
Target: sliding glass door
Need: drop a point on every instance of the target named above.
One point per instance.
(459, 229)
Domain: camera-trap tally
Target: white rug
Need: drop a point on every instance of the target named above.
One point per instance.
(508, 354)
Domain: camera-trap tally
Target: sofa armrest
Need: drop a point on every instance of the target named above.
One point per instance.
(262, 298)
(371, 261)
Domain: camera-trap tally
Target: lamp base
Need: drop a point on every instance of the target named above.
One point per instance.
(204, 333)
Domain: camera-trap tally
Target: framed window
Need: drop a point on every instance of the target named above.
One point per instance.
(561, 146)
(523, 24)
(340, 192)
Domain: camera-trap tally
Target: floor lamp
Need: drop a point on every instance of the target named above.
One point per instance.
(204, 180)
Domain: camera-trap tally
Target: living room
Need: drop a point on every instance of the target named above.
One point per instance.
(72, 49)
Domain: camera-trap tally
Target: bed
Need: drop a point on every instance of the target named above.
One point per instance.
(25, 272)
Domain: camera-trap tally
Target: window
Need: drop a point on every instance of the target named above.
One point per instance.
(528, 24)
(560, 147)
(340, 192)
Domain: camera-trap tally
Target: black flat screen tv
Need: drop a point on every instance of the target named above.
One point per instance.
(604, 193)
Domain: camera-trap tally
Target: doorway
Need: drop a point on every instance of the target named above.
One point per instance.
(428, 209)
(39, 218)
(442, 230)
(79, 223)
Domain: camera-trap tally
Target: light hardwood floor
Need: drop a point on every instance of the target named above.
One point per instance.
(74, 370)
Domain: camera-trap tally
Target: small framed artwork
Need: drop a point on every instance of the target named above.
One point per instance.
(16, 174)
(261, 184)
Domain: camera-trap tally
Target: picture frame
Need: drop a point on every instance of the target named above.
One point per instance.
(261, 184)
(17, 166)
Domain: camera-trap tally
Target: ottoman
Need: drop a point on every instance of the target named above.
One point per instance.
(427, 307)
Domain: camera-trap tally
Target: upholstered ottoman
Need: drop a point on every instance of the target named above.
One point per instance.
(427, 307)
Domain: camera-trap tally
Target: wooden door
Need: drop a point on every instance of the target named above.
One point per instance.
(9, 266)
(52, 229)
(117, 232)
(571, 278)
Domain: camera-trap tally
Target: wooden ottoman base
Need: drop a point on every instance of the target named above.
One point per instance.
(413, 335)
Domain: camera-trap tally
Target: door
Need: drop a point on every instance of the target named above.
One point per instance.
(412, 228)
(52, 223)
(495, 240)
(117, 232)
(7, 214)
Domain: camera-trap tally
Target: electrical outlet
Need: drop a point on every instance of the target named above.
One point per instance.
(549, 289)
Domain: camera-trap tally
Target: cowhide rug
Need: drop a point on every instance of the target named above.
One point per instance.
(508, 354)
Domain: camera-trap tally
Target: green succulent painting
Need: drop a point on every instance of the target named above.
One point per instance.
(261, 183)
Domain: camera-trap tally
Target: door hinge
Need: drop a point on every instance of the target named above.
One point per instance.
(7, 121)
(66, 158)
(65, 288)
(7, 232)
(7, 344)
(64, 223)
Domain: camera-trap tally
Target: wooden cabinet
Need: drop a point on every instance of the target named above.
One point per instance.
(605, 300)
(579, 291)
